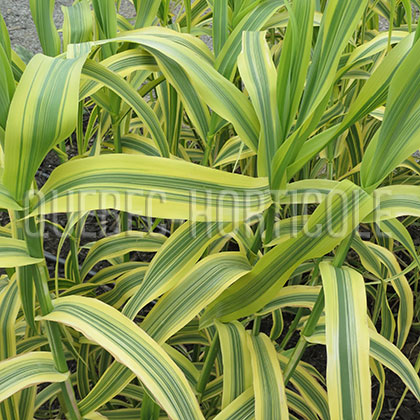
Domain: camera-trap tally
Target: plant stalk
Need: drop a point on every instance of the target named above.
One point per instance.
(208, 149)
(34, 244)
(208, 364)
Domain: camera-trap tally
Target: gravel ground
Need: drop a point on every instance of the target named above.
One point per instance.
(18, 18)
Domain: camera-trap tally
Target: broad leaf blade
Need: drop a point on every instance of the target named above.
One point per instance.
(26, 370)
(14, 253)
(134, 348)
(202, 285)
(242, 408)
(268, 379)
(237, 372)
(122, 243)
(220, 25)
(347, 337)
(259, 75)
(78, 23)
(154, 187)
(42, 113)
(42, 14)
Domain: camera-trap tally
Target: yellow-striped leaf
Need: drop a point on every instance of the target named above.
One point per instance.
(390, 356)
(109, 274)
(173, 262)
(120, 244)
(170, 265)
(232, 151)
(268, 379)
(14, 253)
(7, 201)
(220, 25)
(146, 12)
(373, 93)
(121, 87)
(259, 76)
(78, 23)
(286, 228)
(154, 187)
(347, 338)
(384, 352)
(323, 231)
(5, 38)
(132, 347)
(307, 191)
(237, 372)
(242, 408)
(111, 383)
(396, 230)
(133, 144)
(42, 14)
(219, 93)
(294, 62)
(402, 288)
(106, 17)
(7, 84)
(44, 110)
(370, 48)
(9, 308)
(338, 23)
(28, 369)
(124, 64)
(394, 201)
(202, 285)
(188, 368)
(292, 296)
(253, 21)
(397, 138)
(308, 386)
(125, 287)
